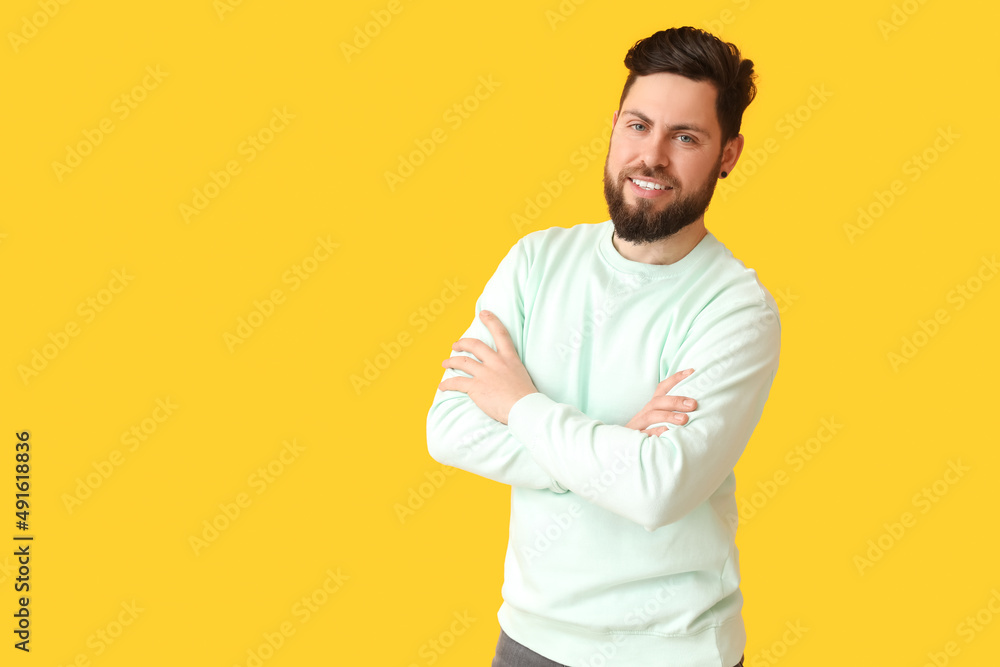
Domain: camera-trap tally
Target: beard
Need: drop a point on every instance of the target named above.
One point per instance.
(641, 223)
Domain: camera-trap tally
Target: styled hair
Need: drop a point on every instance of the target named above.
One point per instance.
(700, 56)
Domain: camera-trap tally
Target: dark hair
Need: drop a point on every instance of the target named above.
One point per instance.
(700, 56)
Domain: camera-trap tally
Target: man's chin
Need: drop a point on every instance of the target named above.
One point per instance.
(644, 238)
(635, 207)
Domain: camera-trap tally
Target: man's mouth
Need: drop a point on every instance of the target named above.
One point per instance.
(649, 185)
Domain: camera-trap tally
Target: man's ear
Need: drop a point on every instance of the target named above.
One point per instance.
(731, 153)
(614, 119)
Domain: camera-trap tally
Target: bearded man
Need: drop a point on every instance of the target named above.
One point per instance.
(612, 377)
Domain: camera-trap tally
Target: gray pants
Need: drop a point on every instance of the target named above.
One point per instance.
(512, 654)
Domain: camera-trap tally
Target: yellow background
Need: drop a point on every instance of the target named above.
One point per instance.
(848, 302)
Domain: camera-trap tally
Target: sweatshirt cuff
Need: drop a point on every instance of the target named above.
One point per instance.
(524, 419)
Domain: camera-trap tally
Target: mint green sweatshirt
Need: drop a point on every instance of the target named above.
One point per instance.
(621, 547)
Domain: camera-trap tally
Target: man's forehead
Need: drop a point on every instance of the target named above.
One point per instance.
(670, 98)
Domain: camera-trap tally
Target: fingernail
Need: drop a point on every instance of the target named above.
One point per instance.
(689, 371)
(689, 403)
(485, 313)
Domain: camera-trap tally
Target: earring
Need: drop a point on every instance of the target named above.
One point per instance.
(724, 174)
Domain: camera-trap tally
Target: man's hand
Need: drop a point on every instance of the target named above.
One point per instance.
(499, 379)
(663, 408)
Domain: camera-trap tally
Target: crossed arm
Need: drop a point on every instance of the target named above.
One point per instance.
(479, 440)
(658, 476)
(467, 428)
(498, 380)
(489, 418)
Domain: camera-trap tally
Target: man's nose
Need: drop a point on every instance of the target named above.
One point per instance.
(655, 153)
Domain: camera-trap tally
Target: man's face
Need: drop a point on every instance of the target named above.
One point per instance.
(664, 157)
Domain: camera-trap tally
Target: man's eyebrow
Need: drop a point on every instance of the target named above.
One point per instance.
(688, 127)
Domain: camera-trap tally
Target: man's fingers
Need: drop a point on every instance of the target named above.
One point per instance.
(474, 346)
(656, 416)
(643, 422)
(460, 362)
(505, 346)
(653, 432)
(664, 407)
(672, 381)
(670, 403)
(455, 384)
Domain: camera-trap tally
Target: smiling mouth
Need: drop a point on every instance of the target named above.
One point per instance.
(649, 185)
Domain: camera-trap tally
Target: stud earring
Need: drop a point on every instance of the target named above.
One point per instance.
(725, 173)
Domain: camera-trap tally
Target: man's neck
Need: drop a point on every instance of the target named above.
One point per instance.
(665, 251)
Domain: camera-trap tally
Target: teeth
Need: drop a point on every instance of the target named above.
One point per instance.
(646, 185)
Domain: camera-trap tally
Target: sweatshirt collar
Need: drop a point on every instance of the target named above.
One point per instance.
(685, 264)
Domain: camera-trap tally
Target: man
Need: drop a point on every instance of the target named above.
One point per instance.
(623, 514)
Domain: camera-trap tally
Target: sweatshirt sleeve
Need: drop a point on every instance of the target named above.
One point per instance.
(655, 481)
(459, 433)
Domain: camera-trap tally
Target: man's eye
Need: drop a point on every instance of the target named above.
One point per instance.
(686, 139)
(638, 126)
